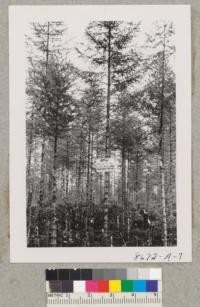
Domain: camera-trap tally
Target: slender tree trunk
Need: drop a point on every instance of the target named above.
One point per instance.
(124, 200)
(80, 164)
(76, 192)
(47, 48)
(147, 191)
(107, 149)
(54, 171)
(43, 144)
(42, 182)
(100, 187)
(108, 95)
(67, 170)
(88, 167)
(54, 196)
(83, 173)
(161, 145)
(128, 193)
(136, 180)
(91, 169)
(30, 148)
(28, 176)
(163, 201)
(106, 197)
(171, 162)
(35, 162)
(62, 180)
(42, 171)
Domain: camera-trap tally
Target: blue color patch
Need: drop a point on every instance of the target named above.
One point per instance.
(152, 285)
(139, 286)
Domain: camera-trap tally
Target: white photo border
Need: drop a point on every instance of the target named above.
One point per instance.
(19, 17)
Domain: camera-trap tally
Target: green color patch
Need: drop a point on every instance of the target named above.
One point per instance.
(127, 286)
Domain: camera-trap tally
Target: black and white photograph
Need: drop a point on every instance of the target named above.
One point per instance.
(100, 116)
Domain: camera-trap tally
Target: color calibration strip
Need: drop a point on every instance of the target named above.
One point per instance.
(108, 287)
(94, 286)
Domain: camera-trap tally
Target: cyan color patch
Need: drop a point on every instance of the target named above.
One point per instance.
(139, 286)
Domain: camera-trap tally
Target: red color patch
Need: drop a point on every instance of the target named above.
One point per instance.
(103, 286)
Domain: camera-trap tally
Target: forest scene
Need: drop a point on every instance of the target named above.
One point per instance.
(101, 134)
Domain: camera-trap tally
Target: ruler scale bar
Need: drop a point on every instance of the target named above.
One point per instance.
(95, 299)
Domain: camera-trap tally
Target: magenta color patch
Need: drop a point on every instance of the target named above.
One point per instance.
(91, 286)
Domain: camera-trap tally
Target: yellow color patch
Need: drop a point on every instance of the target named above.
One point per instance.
(114, 285)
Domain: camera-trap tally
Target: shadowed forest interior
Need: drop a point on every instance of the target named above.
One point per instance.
(101, 135)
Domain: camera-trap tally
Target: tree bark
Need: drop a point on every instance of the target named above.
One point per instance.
(88, 167)
(91, 170)
(67, 169)
(170, 161)
(41, 194)
(54, 171)
(107, 149)
(30, 149)
(161, 144)
(54, 196)
(106, 198)
(80, 165)
(124, 200)
(47, 48)
(147, 192)
(128, 188)
(108, 94)
(28, 174)
(100, 187)
(136, 179)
